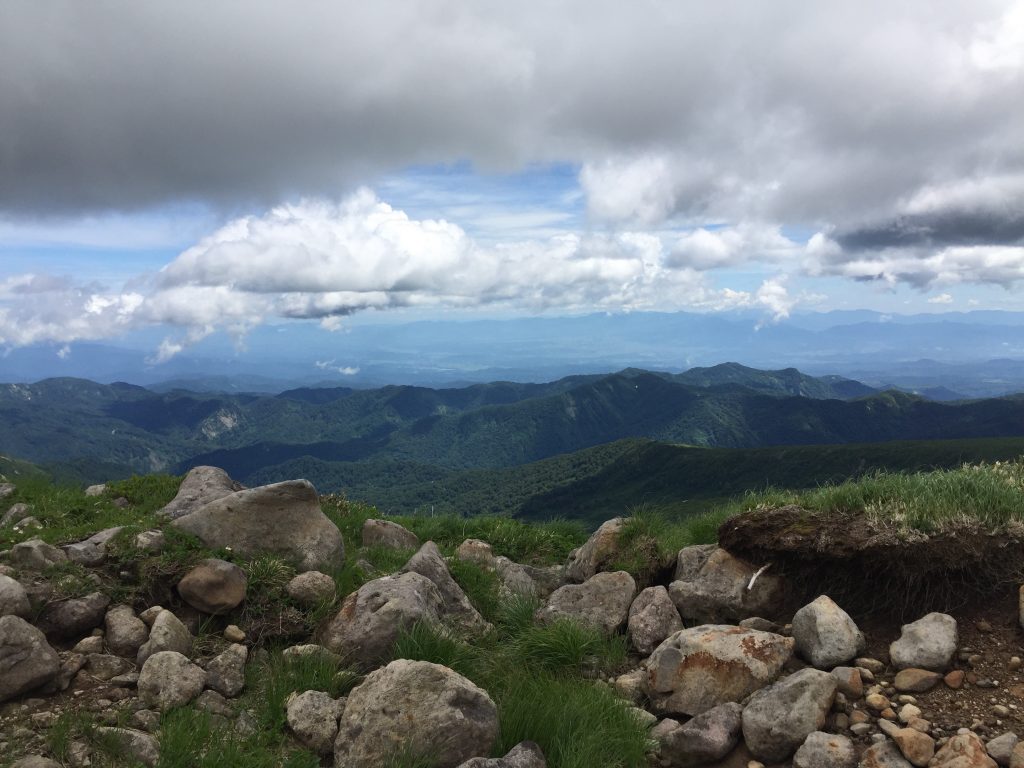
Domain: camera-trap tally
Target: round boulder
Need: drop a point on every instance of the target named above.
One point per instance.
(384, 533)
(928, 643)
(26, 660)
(778, 719)
(214, 586)
(311, 588)
(601, 602)
(13, 598)
(169, 680)
(699, 668)
(652, 618)
(416, 709)
(825, 634)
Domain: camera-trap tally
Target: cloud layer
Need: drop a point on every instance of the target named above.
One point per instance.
(323, 261)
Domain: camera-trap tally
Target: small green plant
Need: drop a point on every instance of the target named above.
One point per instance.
(428, 642)
(480, 585)
(566, 646)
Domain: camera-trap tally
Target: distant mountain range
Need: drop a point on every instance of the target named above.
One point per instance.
(404, 435)
(973, 354)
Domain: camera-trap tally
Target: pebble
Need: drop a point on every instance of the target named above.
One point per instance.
(1014, 663)
(860, 729)
(876, 701)
(1000, 711)
(234, 634)
(872, 665)
(954, 679)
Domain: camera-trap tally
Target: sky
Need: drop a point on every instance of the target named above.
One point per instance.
(195, 168)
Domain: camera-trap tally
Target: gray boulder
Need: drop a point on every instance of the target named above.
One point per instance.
(313, 718)
(928, 643)
(74, 616)
(13, 598)
(91, 551)
(225, 673)
(138, 745)
(778, 719)
(166, 634)
(282, 519)
(385, 533)
(311, 588)
(597, 554)
(104, 666)
(96, 490)
(125, 632)
(35, 555)
(26, 660)
(825, 750)
(200, 486)
(652, 618)
(699, 668)
(7, 490)
(169, 680)
(417, 709)
(15, 513)
(601, 602)
(477, 551)
(883, 754)
(459, 613)
(825, 634)
(1001, 747)
(35, 761)
(714, 586)
(707, 738)
(370, 619)
(214, 586)
(150, 541)
(525, 754)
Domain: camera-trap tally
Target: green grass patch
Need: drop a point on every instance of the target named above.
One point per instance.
(989, 495)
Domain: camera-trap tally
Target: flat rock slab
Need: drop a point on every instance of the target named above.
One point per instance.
(282, 519)
(200, 486)
(699, 668)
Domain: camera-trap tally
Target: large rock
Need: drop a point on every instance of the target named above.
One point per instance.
(778, 719)
(713, 586)
(13, 598)
(214, 586)
(370, 619)
(601, 602)
(166, 634)
(416, 709)
(200, 486)
(35, 555)
(458, 611)
(74, 616)
(965, 750)
(825, 750)
(652, 618)
(699, 668)
(225, 673)
(91, 551)
(169, 680)
(313, 718)
(138, 745)
(525, 754)
(311, 589)
(384, 533)
(883, 754)
(26, 660)
(707, 738)
(125, 632)
(7, 490)
(281, 519)
(599, 552)
(825, 634)
(14, 514)
(928, 643)
(35, 761)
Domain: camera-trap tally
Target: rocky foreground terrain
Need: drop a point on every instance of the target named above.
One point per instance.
(717, 668)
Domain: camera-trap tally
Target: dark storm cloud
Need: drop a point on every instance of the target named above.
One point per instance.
(822, 113)
(937, 231)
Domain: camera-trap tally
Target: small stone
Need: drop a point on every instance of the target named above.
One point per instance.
(226, 673)
(877, 702)
(917, 747)
(874, 666)
(1000, 710)
(908, 712)
(233, 634)
(859, 716)
(860, 729)
(954, 679)
(313, 718)
(149, 615)
(916, 680)
(1014, 664)
(1001, 747)
(311, 589)
(214, 586)
(849, 681)
(91, 644)
(984, 626)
